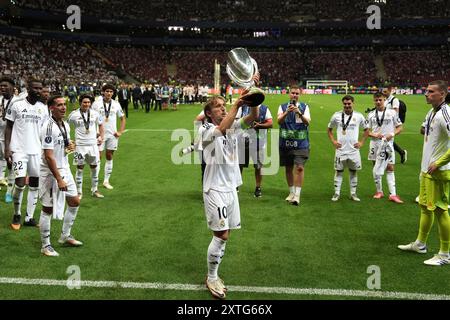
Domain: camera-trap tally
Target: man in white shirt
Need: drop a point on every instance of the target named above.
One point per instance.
(86, 121)
(55, 174)
(218, 140)
(23, 149)
(7, 99)
(384, 125)
(392, 102)
(435, 176)
(347, 145)
(109, 110)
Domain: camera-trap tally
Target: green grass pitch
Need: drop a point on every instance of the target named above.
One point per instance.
(151, 227)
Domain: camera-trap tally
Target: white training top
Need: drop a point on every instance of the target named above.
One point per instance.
(392, 103)
(351, 135)
(5, 104)
(52, 139)
(221, 157)
(28, 120)
(388, 123)
(110, 122)
(84, 137)
(436, 139)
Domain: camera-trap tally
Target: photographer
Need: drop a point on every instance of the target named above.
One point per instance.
(294, 119)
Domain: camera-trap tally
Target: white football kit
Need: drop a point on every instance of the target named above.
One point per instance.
(222, 176)
(86, 124)
(52, 137)
(25, 142)
(347, 156)
(109, 112)
(383, 122)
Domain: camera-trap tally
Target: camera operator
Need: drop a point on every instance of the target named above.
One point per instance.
(294, 119)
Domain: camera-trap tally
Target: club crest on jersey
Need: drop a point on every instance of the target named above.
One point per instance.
(48, 139)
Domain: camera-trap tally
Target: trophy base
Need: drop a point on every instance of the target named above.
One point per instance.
(254, 97)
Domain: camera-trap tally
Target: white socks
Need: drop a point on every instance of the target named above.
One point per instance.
(216, 251)
(291, 189)
(2, 168)
(31, 202)
(390, 177)
(297, 191)
(44, 228)
(11, 178)
(353, 181)
(338, 175)
(378, 183)
(17, 198)
(79, 180)
(108, 170)
(94, 178)
(69, 218)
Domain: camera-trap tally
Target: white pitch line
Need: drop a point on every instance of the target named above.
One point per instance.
(265, 290)
(170, 130)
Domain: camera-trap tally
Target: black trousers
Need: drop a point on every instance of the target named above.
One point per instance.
(124, 105)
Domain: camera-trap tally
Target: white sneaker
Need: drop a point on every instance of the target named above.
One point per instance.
(107, 185)
(97, 194)
(80, 195)
(354, 197)
(216, 287)
(296, 200)
(413, 247)
(49, 251)
(335, 197)
(417, 199)
(290, 197)
(437, 260)
(71, 241)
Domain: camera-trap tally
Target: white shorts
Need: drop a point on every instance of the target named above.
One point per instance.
(86, 154)
(222, 210)
(26, 163)
(350, 161)
(48, 184)
(373, 150)
(110, 143)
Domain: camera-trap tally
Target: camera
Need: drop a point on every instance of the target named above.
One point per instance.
(293, 102)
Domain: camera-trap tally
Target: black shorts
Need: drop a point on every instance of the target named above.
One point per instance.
(294, 156)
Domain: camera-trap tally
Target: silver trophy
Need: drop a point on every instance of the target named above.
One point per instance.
(241, 68)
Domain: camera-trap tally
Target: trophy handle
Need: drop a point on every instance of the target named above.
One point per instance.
(255, 69)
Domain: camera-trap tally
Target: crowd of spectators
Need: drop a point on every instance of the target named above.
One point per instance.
(276, 68)
(247, 10)
(71, 63)
(417, 67)
(56, 61)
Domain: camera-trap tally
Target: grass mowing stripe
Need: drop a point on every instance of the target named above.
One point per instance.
(193, 287)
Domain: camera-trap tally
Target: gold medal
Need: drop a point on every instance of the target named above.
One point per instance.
(87, 131)
(106, 119)
(344, 132)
